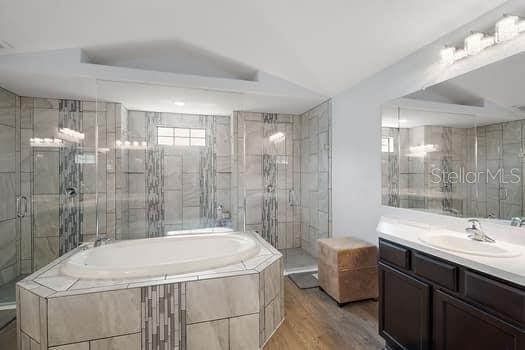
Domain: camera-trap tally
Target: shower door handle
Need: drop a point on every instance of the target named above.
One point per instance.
(291, 198)
(19, 201)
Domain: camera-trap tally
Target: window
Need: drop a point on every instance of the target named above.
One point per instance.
(387, 144)
(181, 137)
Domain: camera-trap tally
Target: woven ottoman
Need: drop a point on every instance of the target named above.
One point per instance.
(347, 269)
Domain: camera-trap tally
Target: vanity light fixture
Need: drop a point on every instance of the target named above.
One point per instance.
(507, 28)
(421, 150)
(45, 142)
(179, 103)
(131, 145)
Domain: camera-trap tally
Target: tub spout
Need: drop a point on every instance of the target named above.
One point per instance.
(101, 241)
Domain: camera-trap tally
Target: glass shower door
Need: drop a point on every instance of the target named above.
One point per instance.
(266, 178)
(10, 192)
(270, 181)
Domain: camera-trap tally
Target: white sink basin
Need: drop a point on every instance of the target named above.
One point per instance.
(456, 242)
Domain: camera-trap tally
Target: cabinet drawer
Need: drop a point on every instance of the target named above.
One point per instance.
(394, 254)
(442, 273)
(499, 297)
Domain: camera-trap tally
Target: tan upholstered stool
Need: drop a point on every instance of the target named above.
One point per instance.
(347, 268)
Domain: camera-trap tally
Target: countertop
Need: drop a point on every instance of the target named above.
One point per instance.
(407, 232)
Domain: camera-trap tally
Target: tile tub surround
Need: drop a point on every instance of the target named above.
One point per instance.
(233, 307)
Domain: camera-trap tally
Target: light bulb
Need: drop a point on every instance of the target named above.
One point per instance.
(506, 28)
(447, 54)
(477, 42)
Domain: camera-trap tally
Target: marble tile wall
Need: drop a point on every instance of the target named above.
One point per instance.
(167, 188)
(9, 186)
(119, 162)
(451, 156)
(99, 182)
(499, 146)
(316, 187)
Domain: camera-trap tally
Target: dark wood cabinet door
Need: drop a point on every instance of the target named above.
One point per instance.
(404, 310)
(460, 326)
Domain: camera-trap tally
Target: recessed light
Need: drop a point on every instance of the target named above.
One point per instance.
(179, 103)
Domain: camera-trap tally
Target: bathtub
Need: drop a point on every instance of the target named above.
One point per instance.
(180, 254)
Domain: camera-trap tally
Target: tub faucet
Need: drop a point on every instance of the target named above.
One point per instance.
(476, 233)
(518, 222)
(101, 240)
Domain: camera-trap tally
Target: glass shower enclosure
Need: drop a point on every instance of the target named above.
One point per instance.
(282, 180)
(73, 170)
(48, 182)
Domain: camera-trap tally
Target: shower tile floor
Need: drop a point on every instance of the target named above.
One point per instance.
(8, 292)
(298, 260)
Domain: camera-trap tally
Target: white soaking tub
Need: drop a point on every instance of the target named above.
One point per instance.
(161, 256)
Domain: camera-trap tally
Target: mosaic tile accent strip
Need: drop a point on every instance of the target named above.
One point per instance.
(161, 317)
(207, 177)
(70, 172)
(154, 178)
(390, 159)
(269, 207)
(447, 203)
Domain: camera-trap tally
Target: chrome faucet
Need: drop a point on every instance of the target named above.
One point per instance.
(101, 239)
(476, 233)
(518, 222)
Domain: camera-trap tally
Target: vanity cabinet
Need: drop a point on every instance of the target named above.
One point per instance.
(408, 299)
(430, 303)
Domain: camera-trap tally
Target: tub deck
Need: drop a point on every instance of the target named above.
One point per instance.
(239, 304)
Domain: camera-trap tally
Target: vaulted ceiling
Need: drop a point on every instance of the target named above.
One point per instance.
(325, 46)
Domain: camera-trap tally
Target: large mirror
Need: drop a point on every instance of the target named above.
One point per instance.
(457, 148)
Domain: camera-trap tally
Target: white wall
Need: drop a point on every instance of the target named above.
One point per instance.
(356, 121)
